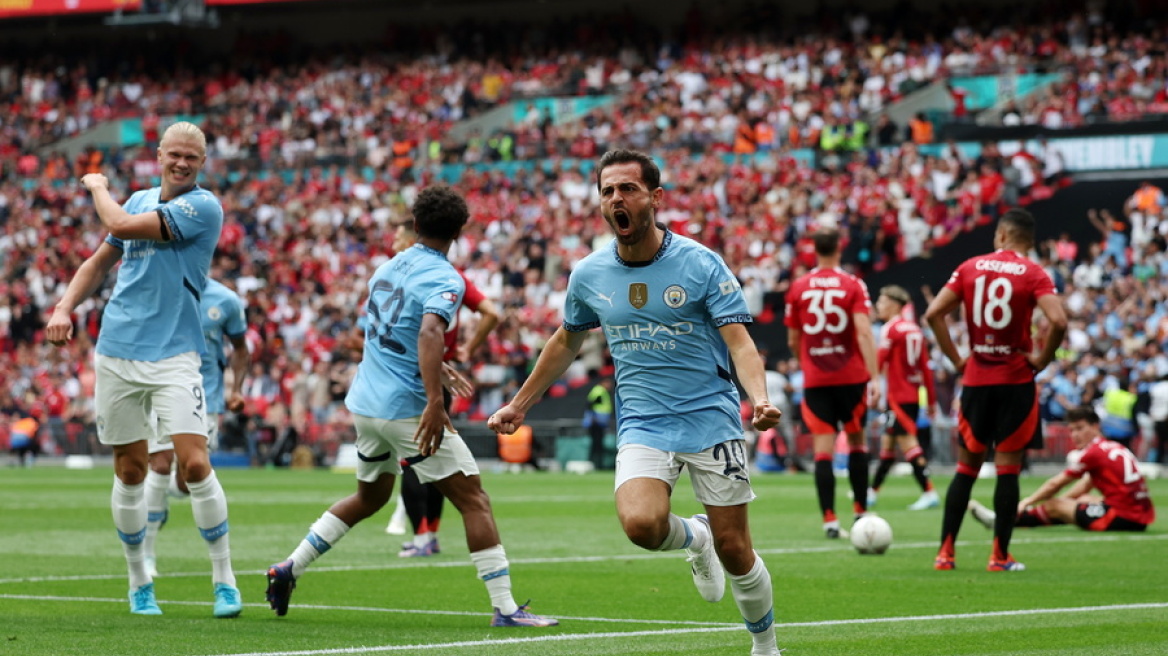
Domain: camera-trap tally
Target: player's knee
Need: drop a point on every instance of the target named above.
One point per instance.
(132, 474)
(644, 531)
(196, 471)
(373, 498)
(130, 468)
(735, 551)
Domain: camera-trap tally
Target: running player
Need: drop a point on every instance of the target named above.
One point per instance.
(399, 411)
(674, 316)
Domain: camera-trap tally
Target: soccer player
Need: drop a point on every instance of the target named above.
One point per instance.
(148, 351)
(1100, 463)
(903, 358)
(828, 325)
(999, 398)
(399, 413)
(222, 314)
(423, 502)
(674, 317)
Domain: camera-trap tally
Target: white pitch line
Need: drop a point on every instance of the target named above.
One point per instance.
(560, 637)
(840, 546)
(563, 637)
(374, 609)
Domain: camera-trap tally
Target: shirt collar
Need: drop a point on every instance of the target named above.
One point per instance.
(432, 251)
(665, 241)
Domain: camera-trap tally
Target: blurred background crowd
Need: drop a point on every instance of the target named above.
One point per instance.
(317, 153)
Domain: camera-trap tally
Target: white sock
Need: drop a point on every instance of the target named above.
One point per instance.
(128, 504)
(423, 539)
(684, 534)
(493, 569)
(156, 508)
(322, 535)
(209, 506)
(756, 601)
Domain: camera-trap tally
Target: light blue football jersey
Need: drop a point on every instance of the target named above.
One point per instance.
(153, 313)
(222, 312)
(661, 320)
(414, 283)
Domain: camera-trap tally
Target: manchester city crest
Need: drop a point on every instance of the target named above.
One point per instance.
(674, 296)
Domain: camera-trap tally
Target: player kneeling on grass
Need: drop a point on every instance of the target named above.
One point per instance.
(1100, 463)
(398, 410)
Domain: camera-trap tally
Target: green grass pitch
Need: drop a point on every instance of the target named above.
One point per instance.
(63, 583)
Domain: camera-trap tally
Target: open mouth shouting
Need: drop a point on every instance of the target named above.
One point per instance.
(622, 222)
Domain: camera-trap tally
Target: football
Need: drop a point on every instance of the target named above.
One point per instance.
(871, 535)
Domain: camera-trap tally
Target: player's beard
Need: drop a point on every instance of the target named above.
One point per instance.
(639, 226)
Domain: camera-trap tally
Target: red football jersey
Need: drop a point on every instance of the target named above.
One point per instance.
(903, 356)
(1114, 472)
(821, 304)
(472, 298)
(999, 292)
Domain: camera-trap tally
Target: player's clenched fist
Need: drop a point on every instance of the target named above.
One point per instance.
(94, 181)
(766, 416)
(506, 421)
(59, 329)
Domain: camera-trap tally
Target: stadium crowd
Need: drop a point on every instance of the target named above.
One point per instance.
(316, 162)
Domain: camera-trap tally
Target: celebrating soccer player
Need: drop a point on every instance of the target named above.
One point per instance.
(400, 414)
(149, 347)
(674, 316)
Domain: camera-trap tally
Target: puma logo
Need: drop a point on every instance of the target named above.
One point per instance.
(606, 298)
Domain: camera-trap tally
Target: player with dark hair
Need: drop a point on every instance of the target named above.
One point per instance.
(422, 502)
(1097, 462)
(674, 317)
(829, 327)
(999, 399)
(903, 358)
(400, 414)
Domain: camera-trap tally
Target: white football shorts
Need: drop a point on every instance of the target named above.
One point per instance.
(129, 392)
(383, 443)
(156, 445)
(720, 475)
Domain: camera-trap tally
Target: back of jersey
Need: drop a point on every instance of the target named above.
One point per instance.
(821, 305)
(999, 292)
(904, 356)
(417, 282)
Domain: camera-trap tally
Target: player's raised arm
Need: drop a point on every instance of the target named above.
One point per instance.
(557, 355)
(119, 222)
